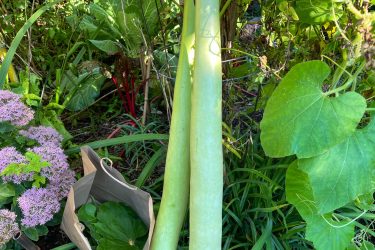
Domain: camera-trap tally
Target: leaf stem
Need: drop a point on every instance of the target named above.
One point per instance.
(349, 82)
(347, 224)
(225, 7)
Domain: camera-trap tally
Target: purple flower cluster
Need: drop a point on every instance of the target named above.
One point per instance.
(10, 155)
(43, 135)
(13, 110)
(8, 226)
(56, 157)
(60, 177)
(38, 205)
(61, 186)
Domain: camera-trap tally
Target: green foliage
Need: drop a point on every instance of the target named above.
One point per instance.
(335, 160)
(50, 118)
(82, 89)
(318, 11)
(113, 225)
(107, 46)
(7, 192)
(344, 172)
(34, 165)
(15, 43)
(6, 127)
(28, 87)
(135, 22)
(307, 118)
(34, 233)
(300, 194)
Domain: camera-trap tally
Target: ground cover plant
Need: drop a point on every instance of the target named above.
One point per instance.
(35, 176)
(113, 225)
(250, 122)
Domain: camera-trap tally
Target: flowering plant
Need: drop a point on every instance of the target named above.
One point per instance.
(34, 172)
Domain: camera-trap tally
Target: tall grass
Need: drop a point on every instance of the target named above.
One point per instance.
(256, 214)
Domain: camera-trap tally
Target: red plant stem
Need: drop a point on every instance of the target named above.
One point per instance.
(114, 80)
(133, 95)
(114, 133)
(128, 98)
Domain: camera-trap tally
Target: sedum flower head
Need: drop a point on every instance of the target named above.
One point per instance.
(38, 205)
(10, 155)
(13, 110)
(8, 226)
(61, 186)
(43, 135)
(56, 157)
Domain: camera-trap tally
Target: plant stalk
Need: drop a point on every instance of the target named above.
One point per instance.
(176, 177)
(206, 155)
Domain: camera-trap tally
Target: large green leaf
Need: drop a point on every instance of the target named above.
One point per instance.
(114, 225)
(325, 236)
(83, 89)
(136, 20)
(318, 11)
(301, 119)
(344, 172)
(116, 221)
(336, 236)
(108, 46)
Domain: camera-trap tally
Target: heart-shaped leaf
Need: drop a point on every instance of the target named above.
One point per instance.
(318, 11)
(344, 172)
(325, 233)
(301, 119)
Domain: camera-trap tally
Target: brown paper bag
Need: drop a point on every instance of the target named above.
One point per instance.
(104, 183)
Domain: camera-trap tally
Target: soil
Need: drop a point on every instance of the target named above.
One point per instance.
(55, 237)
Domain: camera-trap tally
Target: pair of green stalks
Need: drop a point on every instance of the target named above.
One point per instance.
(195, 159)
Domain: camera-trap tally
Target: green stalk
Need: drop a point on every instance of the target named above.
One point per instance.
(206, 178)
(176, 177)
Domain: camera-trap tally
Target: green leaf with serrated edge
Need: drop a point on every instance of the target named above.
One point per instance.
(344, 172)
(300, 119)
(323, 235)
(318, 11)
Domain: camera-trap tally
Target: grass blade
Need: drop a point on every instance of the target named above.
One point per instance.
(118, 140)
(150, 166)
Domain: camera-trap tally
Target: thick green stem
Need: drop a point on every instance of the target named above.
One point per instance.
(176, 177)
(206, 178)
